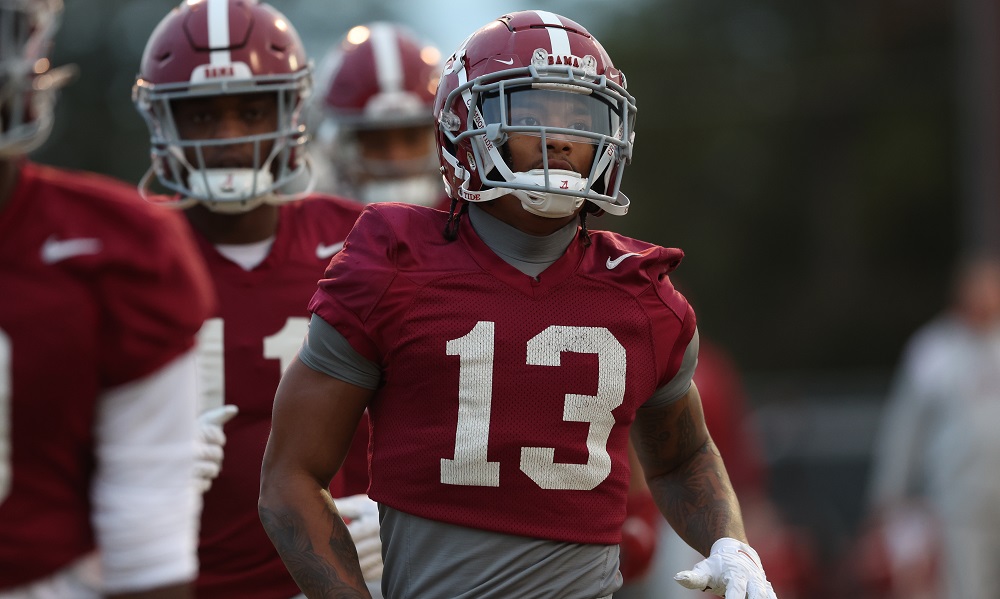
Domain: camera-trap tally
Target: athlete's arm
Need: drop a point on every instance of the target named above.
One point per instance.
(685, 472)
(145, 507)
(313, 422)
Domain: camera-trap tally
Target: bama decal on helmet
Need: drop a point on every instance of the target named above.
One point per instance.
(587, 64)
(207, 73)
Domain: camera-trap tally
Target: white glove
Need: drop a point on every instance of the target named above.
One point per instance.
(732, 570)
(361, 515)
(211, 439)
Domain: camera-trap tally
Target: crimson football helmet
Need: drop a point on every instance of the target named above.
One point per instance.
(27, 83)
(380, 76)
(490, 88)
(206, 48)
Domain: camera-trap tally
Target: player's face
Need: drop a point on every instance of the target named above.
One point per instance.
(227, 117)
(551, 109)
(396, 145)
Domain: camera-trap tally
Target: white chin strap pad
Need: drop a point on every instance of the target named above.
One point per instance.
(230, 190)
(422, 191)
(549, 204)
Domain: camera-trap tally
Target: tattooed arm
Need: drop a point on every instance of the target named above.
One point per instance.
(685, 472)
(312, 425)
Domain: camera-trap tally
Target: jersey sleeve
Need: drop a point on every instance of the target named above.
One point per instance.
(356, 281)
(156, 294)
(681, 325)
(679, 385)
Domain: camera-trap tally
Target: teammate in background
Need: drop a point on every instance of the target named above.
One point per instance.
(102, 297)
(222, 86)
(937, 454)
(505, 353)
(377, 131)
(375, 122)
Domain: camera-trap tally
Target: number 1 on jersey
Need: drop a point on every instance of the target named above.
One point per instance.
(282, 346)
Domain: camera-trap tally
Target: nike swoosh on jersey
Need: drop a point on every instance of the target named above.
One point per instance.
(613, 263)
(326, 251)
(56, 250)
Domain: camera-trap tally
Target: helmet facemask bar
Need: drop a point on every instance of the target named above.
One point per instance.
(27, 85)
(190, 176)
(492, 95)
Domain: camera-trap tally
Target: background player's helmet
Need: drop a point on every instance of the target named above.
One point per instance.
(500, 65)
(380, 76)
(27, 81)
(217, 47)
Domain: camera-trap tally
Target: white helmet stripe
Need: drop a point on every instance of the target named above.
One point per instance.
(388, 63)
(557, 35)
(218, 32)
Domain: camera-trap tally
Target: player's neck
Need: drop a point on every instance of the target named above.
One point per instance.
(234, 229)
(509, 210)
(9, 169)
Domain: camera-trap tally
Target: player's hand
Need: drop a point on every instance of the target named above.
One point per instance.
(211, 439)
(361, 515)
(732, 570)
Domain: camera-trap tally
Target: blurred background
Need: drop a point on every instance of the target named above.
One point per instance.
(823, 164)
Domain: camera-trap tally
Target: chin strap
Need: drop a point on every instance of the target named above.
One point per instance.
(421, 190)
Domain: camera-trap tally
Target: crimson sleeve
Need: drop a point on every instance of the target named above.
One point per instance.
(156, 294)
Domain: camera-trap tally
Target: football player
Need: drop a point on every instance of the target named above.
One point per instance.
(377, 132)
(222, 86)
(375, 117)
(509, 353)
(103, 295)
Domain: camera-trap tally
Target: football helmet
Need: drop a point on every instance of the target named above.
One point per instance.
(27, 81)
(381, 76)
(488, 91)
(206, 48)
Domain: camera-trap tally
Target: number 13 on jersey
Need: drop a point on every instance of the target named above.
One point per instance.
(476, 352)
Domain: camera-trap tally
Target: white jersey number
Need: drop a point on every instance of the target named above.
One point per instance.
(475, 396)
(281, 346)
(5, 393)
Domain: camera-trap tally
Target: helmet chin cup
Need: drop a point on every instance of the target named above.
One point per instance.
(230, 191)
(421, 190)
(551, 204)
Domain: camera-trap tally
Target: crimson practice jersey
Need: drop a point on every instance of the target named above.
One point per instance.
(506, 401)
(257, 331)
(97, 289)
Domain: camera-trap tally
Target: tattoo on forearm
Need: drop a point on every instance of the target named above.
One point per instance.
(694, 490)
(316, 576)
